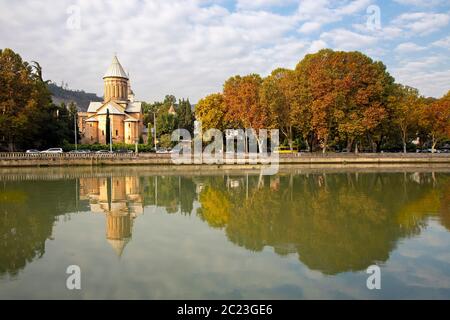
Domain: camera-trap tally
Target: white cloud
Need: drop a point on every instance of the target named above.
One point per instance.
(422, 23)
(262, 4)
(421, 3)
(317, 46)
(408, 47)
(189, 47)
(343, 39)
(443, 43)
(309, 27)
(429, 74)
(317, 13)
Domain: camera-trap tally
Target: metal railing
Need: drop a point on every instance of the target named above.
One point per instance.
(93, 155)
(64, 156)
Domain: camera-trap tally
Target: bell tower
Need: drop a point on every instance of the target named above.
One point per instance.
(116, 82)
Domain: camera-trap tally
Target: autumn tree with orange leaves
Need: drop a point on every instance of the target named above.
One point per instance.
(406, 105)
(435, 119)
(331, 100)
(277, 95)
(346, 93)
(241, 97)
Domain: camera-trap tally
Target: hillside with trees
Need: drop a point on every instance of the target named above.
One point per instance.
(62, 94)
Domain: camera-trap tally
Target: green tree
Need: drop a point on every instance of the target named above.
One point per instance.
(28, 118)
(108, 127)
(277, 96)
(170, 99)
(166, 123)
(185, 116)
(405, 103)
(211, 112)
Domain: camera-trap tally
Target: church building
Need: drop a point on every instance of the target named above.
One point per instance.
(125, 114)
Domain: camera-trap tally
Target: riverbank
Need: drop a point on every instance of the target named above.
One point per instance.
(151, 159)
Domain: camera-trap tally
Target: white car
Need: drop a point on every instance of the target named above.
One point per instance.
(53, 150)
(32, 151)
(162, 150)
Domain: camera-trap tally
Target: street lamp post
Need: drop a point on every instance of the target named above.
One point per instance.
(110, 136)
(154, 128)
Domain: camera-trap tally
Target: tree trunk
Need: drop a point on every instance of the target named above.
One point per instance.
(308, 147)
(290, 138)
(349, 145)
(404, 141)
(325, 145)
(379, 143)
(434, 143)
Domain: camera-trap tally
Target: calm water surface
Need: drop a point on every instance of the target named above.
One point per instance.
(298, 235)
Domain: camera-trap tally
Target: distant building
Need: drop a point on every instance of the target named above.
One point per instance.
(126, 116)
(172, 110)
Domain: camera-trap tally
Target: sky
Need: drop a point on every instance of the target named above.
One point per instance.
(188, 48)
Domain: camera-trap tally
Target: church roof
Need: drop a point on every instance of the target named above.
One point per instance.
(115, 70)
(113, 108)
(93, 106)
(172, 110)
(99, 107)
(134, 106)
(118, 245)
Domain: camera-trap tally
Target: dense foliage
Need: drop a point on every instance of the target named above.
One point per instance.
(28, 118)
(332, 100)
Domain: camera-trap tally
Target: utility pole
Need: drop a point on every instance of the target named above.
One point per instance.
(154, 128)
(110, 136)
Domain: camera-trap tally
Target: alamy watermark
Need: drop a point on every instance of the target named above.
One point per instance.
(73, 21)
(236, 146)
(374, 280)
(373, 18)
(73, 281)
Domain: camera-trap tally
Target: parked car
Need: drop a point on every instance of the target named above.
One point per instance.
(162, 150)
(32, 151)
(429, 150)
(103, 151)
(124, 151)
(285, 149)
(79, 151)
(53, 150)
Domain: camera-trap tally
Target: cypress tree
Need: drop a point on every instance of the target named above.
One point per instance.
(108, 127)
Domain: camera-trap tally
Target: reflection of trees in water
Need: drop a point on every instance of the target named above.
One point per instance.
(27, 214)
(335, 222)
(171, 192)
(445, 206)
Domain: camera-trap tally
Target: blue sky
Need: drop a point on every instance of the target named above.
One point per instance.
(189, 47)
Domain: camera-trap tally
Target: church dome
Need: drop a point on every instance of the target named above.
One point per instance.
(115, 70)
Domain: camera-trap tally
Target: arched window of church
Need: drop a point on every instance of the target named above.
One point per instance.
(117, 132)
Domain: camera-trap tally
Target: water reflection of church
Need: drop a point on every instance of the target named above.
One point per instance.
(120, 199)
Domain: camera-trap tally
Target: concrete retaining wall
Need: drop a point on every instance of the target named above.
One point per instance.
(41, 160)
